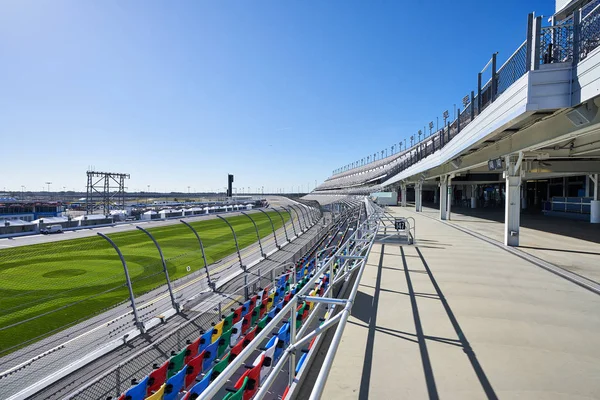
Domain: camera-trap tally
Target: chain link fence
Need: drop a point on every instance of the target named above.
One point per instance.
(201, 318)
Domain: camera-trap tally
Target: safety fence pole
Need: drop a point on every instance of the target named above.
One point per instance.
(236, 241)
(138, 323)
(257, 234)
(303, 218)
(292, 219)
(283, 222)
(164, 264)
(210, 283)
(272, 227)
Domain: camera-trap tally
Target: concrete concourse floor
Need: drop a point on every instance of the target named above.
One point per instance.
(569, 244)
(454, 317)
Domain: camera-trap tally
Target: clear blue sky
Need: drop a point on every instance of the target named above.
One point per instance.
(279, 92)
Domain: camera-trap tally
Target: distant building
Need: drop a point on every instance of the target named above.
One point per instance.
(11, 209)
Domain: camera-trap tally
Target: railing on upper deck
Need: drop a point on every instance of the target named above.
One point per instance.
(568, 41)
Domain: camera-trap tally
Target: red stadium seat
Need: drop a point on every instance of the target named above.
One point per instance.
(157, 378)
(194, 368)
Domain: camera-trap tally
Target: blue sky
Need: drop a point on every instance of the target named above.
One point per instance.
(277, 92)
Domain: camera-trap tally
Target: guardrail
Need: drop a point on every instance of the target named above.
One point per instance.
(350, 257)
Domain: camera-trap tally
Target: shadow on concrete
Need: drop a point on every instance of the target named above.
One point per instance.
(366, 307)
(425, 361)
(362, 307)
(365, 378)
(485, 383)
(530, 219)
(561, 250)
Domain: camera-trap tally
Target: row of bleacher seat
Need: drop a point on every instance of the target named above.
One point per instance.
(190, 371)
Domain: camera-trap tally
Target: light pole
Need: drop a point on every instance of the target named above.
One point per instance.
(49, 183)
(22, 192)
(148, 195)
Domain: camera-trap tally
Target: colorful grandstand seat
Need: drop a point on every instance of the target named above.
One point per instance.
(255, 315)
(174, 385)
(246, 323)
(270, 301)
(217, 330)
(191, 350)
(236, 332)
(238, 394)
(219, 367)
(249, 337)
(137, 392)
(228, 322)
(237, 314)
(175, 363)
(199, 387)
(205, 340)
(235, 350)
(262, 323)
(157, 378)
(253, 301)
(287, 298)
(194, 368)
(271, 314)
(267, 361)
(210, 353)
(224, 343)
(253, 375)
(272, 344)
(157, 395)
(246, 308)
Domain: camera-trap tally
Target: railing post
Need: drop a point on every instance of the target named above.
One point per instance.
(576, 35)
(164, 265)
(494, 77)
(292, 220)
(303, 217)
(458, 121)
(257, 234)
(479, 92)
(283, 222)
(236, 242)
(138, 323)
(291, 207)
(472, 105)
(537, 31)
(530, 41)
(272, 227)
(210, 284)
(292, 366)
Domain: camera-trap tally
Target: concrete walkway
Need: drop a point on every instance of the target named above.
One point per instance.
(569, 244)
(454, 317)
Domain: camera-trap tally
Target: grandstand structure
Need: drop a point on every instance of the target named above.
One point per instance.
(528, 137)
(314, 308)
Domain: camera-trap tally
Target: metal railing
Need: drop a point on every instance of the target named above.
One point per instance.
(118, 378)
(350, 257)
(514, 68)
(556, 44)
(589, 31)
(567, 41)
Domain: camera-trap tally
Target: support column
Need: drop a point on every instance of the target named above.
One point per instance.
(512, 213)
(474, 196)
(524, 195)
(595, 203)
(418, 196)
(443, 197)
(403, 199)
(449, 199)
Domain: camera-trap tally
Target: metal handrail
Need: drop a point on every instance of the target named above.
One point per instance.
(289, 308)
